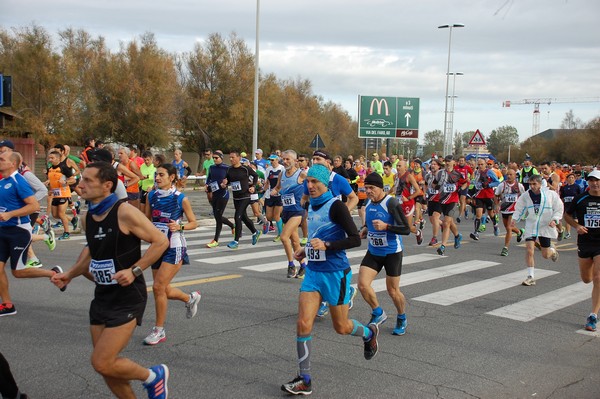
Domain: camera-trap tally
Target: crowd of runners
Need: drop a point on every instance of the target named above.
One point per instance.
(119, 197)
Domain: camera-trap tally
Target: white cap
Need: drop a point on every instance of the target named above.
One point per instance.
(258, 151)
(594, 173)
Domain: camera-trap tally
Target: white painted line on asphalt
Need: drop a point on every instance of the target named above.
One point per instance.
(480, 288)
(589, 333)
(544, 304)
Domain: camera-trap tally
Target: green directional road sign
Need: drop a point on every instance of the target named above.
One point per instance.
(388, 117)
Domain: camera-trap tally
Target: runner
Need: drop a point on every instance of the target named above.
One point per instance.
(448, 181)
(166, 210)
(484, 181)
(183, 169)
(541, 210)
(17, 203)
(148, 170)
(272, 197)
(567, 192)
(526, 172)
(238, 177)
(113, 257)
(328, 275)
(131, 184)
(467, 173)
(60, 176)
(303, 164)
(220, 196)
(434, 209)
(407, 189)
(389, 176)
(290, 187)
(507, 194)
(385, 224)
(585, 208)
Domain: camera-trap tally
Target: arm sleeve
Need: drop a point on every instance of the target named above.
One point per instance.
(39, 189)
(400, 225)
(339, 214)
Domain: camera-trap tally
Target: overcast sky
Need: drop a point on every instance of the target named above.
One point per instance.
(508, 49)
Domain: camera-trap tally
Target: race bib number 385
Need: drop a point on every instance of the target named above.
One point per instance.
(103, 271)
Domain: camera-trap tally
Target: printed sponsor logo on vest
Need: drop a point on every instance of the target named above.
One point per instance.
(100, 235)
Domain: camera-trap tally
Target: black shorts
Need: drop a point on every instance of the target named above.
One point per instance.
(434, 206)
(14, 242)
(33, 218)
(287, 215)
(391, 262)
(420, 200)
(133, 196)
(448, 209)
(113, 316)
(506, 215)
(59, 201)
(143, 196)
(545, 242)
(273, 201)
(463, 192)
(588, 251)
(486, 203)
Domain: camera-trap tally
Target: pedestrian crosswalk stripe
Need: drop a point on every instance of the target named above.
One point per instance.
(433, 274)
(544, 304)
(480, 288)
(266, 267)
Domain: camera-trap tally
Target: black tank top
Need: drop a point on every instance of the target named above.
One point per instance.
(111, 251)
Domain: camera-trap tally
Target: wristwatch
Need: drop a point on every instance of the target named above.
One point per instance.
(137, 271)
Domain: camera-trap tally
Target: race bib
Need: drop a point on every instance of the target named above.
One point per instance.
(449, 188)
(378, 238)
(163, 227)
(214, 186)
(103, 271)
(386, 188)
(362, 190)
(432, 191)
(314, 255)
(592, 221)
(568, 199)
(55, 192)
(525, 179)
(510, 198)
(254, 197)
(236, 186)
(288, 200)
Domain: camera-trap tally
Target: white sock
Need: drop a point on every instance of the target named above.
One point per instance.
(530, 271)
(151, 377)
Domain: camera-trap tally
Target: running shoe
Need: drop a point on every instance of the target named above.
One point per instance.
(555, 255)
(158, 388)
(378, 319)
(65, 236)
(433, 241)
(212, 244)
(303, 241)
(291, 273)
(481, 228)
(78, 206)
(45, 222)
(323, 310)
(353, 292)
(457, 240)
(590, 325)
(57, 225)
(301, 272)
(6, 310)
(272, 228)
(520, 235)
(466, 215)
(36, 229)
(496, 219)
(155, 337)
(567, 236)
(419, 237)
(298, 386)
(277, 239)
(529, 281)
(400, 328)
(496, 230)
(51, 240)
(35, 263)
(371, 347)
(75, 222)
(58, 269)
(265, 228)
(474, 236)
(255, 237)
(504, 252)
(560, 233)
(421, 224)
(192, 305)
(233, 245)
(458, 219)
(441, 250)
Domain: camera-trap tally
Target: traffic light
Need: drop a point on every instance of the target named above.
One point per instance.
(5, 91)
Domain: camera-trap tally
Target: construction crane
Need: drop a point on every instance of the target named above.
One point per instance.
(536, 106)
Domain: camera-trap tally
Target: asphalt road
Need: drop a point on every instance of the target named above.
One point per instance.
(473, 330)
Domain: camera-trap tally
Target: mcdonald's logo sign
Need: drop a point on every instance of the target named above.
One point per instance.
(380, 104)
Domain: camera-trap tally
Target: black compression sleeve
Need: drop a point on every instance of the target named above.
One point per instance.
(339, 214)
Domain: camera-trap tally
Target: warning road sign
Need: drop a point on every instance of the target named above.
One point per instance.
(477, 138)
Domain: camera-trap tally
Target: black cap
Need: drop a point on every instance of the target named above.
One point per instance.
(100, 155)
(7, 143)
(374, 179)
(321, 154)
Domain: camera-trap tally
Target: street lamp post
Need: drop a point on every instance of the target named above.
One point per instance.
(451, 112)
(448, 135)
(256, 84)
